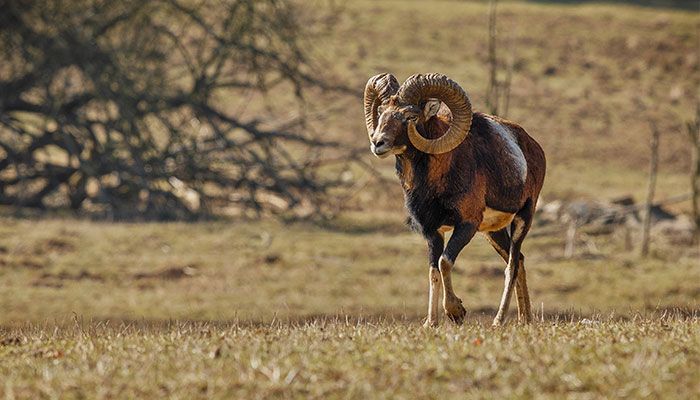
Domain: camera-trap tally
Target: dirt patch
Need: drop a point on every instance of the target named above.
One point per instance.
(80, 276)
(56, 280)
(56, 244)
(565, 288)
(170, 273)
(271, 258)
(488, 272)
(23, 263)
(31, 264)
(52, 245)
(383, 271)
(47, 284)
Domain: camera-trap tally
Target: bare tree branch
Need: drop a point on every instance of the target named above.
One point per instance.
(115, 107)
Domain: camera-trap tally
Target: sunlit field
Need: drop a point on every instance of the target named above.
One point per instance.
(653, 356)
(255, 309)
(254, 306)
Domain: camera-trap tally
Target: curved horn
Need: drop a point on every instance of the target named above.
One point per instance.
(419, 87)
(378, 90)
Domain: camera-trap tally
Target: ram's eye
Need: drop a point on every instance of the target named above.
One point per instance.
(380, 109)
(411, 115)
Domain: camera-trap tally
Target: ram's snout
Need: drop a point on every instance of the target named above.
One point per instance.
(381, 146)
(383, 143)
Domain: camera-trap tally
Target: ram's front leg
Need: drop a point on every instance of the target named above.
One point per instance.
(435, 245)
(463, 233)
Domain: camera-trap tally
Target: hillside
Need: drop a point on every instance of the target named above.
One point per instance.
(588, 81)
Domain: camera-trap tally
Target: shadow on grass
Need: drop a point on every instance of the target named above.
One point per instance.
(688, 5)
(478, 317)
(341, 224)
(359, 227)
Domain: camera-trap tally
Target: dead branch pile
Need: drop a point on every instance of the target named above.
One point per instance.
(141, 108)
(580, 218)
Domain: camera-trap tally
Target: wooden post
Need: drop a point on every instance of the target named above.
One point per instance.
(694, 136)
(492, 91)
(509, 78)
(570, 239)
(653, 167)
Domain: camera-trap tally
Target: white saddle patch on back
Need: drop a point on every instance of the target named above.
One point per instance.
(518, 171)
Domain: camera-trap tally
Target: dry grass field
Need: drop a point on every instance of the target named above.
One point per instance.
(588, 79)
(252, 309)
(259, 271)
(260, 308)
(379, 358)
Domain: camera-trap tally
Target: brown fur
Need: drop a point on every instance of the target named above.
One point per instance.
(471, 205)
(406, 175)
(438, 167)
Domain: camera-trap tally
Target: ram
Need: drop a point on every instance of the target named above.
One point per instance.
(460, 170)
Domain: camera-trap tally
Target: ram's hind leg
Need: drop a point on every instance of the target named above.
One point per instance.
(500, 240)
(524, 310)
(519, 228)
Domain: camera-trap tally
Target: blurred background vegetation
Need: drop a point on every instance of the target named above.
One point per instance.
(156, 109)
(177, 109)
(246, 111)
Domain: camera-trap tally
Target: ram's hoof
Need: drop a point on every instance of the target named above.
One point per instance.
(456, 312)
(430, 324)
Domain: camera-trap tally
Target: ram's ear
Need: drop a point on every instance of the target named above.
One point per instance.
(432, 106)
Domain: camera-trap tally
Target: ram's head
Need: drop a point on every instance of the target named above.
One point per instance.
(395, 114)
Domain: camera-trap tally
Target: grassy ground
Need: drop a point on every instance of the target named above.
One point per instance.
(245, 309)
(256, 270)
(649, 357)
